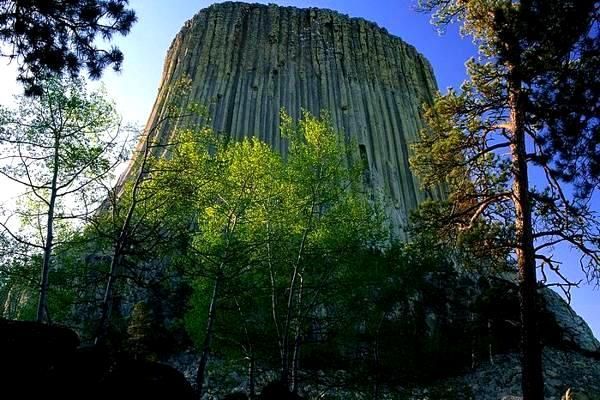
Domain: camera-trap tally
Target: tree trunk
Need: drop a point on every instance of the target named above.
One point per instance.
(376, 374)
(474, 334)
(295, 362)
(208, 336)
(297, 339)
(490, 335)
(285, 360)
(376, 357)
(107, 302)
(119, 245)
(42, 309)
(274, 299)
(531, 351)
(251, 376)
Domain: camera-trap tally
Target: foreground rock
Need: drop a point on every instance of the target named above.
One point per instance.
(42, 360)
(569, 375)
(574, 331)
(564, 371)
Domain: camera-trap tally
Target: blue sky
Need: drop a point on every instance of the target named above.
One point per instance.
(135, 88)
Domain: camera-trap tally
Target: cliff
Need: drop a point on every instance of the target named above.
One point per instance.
(248, 61)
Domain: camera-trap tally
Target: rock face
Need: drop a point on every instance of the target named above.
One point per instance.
(575, 332)
(248, 61)
(571, 374)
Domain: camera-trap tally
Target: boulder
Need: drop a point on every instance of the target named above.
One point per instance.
(34, 355)
(573, 330)
(138, 379)
(44, 360)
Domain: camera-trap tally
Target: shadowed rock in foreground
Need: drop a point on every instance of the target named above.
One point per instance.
(42, 360)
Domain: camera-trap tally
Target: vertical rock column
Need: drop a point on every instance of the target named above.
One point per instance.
(248, 61)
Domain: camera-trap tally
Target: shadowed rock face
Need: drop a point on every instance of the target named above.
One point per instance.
(248, 61)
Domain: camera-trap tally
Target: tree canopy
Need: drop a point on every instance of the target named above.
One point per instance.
(56, 36)
(59, 147)
(264, 232)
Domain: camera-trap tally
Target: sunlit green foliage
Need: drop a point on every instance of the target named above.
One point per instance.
(59, 146)
(270, 229)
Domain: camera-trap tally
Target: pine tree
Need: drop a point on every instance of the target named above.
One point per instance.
(529, 107)
(54, 36)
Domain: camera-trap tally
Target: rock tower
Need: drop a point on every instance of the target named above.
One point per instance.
(248, 61)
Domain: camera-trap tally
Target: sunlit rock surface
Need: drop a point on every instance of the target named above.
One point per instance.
(248, 61)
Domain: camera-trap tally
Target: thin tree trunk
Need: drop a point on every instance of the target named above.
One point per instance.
(531, 352)
(376, 377)
(377, 357)
(297, 340)
(249, 352)
(473, 329)
(251, 375)
(295, 362)
(107, 301)
(42, 309)
(274, 296)
(490, 336)
(208, 336)
(285, 366)
(115, 262)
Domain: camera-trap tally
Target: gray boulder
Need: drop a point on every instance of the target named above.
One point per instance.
(573, 329)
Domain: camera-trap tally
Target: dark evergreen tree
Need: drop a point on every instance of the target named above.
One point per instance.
(55, 36)
(530, 107)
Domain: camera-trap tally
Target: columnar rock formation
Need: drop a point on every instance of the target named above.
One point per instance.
(248, 61)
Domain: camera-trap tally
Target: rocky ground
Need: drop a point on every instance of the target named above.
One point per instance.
(563, 370)
(50, 358)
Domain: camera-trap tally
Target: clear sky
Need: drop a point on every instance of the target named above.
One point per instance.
(135, 88)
